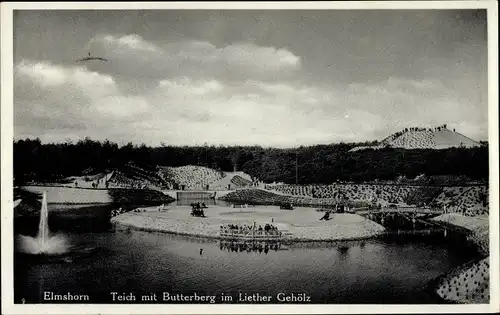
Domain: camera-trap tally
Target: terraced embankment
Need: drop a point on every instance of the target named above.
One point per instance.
(264, 197)
(467, 284)
(469, 200)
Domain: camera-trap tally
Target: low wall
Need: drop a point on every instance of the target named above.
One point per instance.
(70, 195)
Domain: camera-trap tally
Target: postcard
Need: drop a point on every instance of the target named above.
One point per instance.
(250, 157)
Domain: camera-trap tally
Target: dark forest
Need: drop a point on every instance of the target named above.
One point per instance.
(319, 164)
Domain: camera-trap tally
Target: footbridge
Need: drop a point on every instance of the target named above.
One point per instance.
(410, 214)
(419, 211)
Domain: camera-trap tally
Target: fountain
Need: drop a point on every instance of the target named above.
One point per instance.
(43, 226)
(44, 242)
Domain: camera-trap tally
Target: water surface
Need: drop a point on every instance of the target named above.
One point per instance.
(375, 271)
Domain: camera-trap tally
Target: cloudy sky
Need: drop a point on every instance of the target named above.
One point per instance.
(272, 78)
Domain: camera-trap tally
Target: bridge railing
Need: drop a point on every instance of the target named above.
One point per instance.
(416, 232)
(401, 210)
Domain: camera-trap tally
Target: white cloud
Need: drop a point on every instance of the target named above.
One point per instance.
(184, 85)
(134, 57)
(132, 42)
(250, 55)
(74, 91)
(49, 75)
(184, 110)
(43, 73)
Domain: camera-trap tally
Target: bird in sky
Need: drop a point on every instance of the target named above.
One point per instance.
(90, 57)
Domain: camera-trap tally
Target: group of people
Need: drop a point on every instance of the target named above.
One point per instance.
(116, 212)
(234, 228)
(121, 210)
(198, 205)
(197, 209)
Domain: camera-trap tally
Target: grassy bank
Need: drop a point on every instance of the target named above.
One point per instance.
(125, 196)
(468, 283)
(465, 284)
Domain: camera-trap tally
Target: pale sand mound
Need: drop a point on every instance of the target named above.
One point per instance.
(301, 224)
(424, 138)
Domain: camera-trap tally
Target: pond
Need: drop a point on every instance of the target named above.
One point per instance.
(104, 260)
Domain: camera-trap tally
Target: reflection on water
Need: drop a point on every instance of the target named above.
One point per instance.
(376, 272)
(250, 246)
(369, 271)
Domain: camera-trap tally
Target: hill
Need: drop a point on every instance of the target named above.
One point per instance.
(199, 177)
(424, 138)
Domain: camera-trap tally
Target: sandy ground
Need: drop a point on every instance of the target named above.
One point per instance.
(301, 224)
(469, 283)
(476, 223)
(72, 195)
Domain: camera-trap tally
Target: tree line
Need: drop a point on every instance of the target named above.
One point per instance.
(317, 164)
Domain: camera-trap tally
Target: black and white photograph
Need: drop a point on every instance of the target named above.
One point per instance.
(283, 156)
